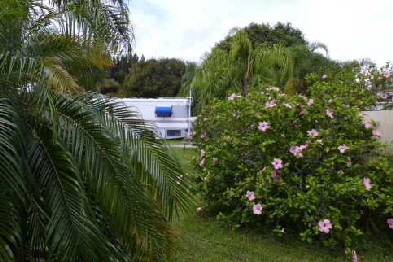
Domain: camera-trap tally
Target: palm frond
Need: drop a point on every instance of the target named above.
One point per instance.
(100, 153)
(8, 226)
(10, 172)
(101, 21)
(318, 45)
(58, 77)
(141, 149)
(269, 58)
(71, 234)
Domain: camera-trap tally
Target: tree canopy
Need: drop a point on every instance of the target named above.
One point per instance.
(256, 56)
(154, 78)
(281, 33)
(242, 68)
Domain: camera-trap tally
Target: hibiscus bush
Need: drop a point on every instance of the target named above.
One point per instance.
(295, 164)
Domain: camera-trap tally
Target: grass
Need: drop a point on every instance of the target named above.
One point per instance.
(204, 240)
(185, 157)
(180, 141)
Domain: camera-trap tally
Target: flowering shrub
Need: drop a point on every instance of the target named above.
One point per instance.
(375, 78)
(342, 87)
(295, 164)
(374, 85)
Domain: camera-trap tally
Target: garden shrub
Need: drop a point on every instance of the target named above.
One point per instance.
(296, 164)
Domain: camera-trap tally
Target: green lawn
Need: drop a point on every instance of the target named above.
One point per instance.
(181, 141)
(201, 240)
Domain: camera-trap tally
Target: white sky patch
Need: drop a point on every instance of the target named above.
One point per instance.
(187, 29)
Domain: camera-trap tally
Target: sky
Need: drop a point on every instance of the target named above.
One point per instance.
(188, 29)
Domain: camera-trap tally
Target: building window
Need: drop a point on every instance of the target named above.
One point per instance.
(163, 111)
(173, 133)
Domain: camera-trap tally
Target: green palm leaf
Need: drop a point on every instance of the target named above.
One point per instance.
(85, 178)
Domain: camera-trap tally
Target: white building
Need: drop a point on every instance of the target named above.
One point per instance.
(171, 117)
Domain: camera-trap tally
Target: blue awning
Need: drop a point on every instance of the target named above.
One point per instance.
(163, 110)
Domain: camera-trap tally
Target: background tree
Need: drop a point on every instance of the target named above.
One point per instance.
(121, 67)
(241, 69)
(154, 78)
(281, 33)
(82, 178)
(307, 57)
(187, 78)
(257, 56)
(112, 78)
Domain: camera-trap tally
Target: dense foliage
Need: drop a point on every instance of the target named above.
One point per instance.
(82, 178)
(243, 68)
(153, 78)
(284, 34)
(121, 67)
(257, 56)
(296, 164)
(305, 57)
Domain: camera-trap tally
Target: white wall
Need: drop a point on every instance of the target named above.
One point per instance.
(385, 124)
(178, 121)
(147, 107)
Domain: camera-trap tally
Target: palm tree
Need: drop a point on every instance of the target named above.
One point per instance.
(240, 69)
(82, 177)
(307, 60)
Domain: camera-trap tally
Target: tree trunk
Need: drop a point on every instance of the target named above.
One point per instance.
(244, 81)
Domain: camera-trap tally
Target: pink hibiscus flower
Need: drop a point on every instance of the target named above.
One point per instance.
(297, 150)
(302, 147)
(277, 163)
(376, 133)
(343, 148)
(390, 222)
(325, 226)
(263, 126)
(312, 133)
(257, 209)
(250, 195)
(367, 183)
(384, 95)
(310, 102)
(367, 124)
(329, 113)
